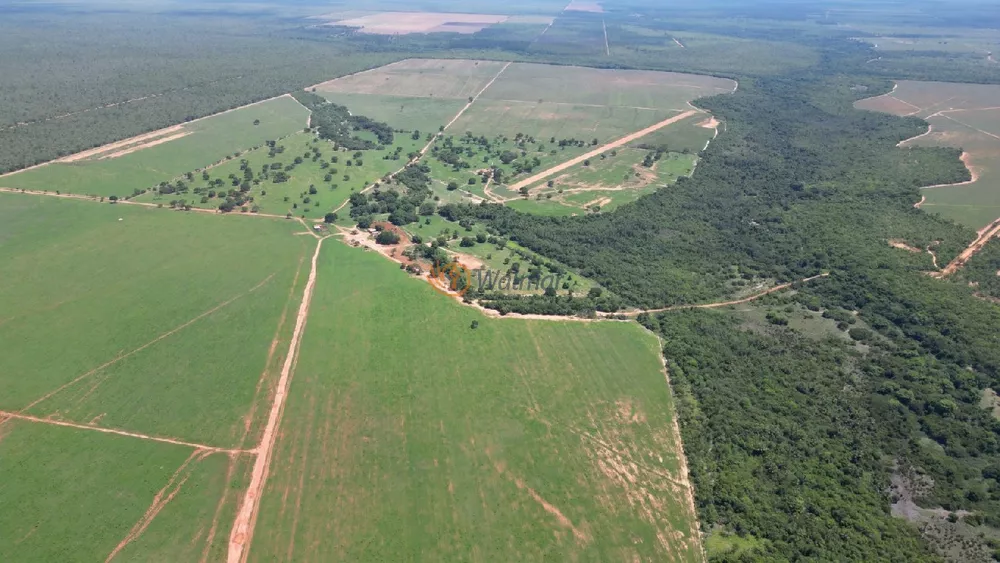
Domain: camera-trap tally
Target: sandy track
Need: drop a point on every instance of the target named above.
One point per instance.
(246, 518)
(27, 418)
(985, 234)
(597, 152)
(716, 305)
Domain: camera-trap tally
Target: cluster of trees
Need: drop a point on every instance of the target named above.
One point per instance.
(403, 208)
(335, 123)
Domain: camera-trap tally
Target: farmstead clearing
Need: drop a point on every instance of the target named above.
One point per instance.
(260, 390)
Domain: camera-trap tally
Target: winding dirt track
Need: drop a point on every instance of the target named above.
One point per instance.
(753, 297)
(597, 152)
(246, 519)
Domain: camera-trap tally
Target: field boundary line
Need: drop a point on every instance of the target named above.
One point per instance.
(685, 474)
(596, 152)
(148, 344)
(212, 449)
(246, 518)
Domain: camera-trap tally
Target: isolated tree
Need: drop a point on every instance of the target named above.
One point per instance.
(586, 162)
(330, 217)
(256, 122)
(474, 325)
(387, 237)
(452, 186)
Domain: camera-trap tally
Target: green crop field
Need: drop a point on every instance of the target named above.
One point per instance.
(557, 433)
(206, 142)
(159, 323)
(963, 116)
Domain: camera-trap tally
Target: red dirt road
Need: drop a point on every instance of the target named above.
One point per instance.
(246, 518)
(597, 152)
(987, 233)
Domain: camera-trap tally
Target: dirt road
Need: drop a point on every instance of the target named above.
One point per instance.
(246, 519)
(597, 152)
(985, 234)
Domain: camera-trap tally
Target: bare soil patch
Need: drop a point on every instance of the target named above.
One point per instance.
(148, 145)
(710, 123)
(585, 6)
(113, 147)
(402, 23)
(903, 246)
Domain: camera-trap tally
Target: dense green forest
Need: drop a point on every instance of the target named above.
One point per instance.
(793, 440)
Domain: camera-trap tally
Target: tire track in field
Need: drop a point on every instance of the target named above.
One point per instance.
(246, 519)
(251, 415)
(167, 334)
(28, 418)
(160, 501)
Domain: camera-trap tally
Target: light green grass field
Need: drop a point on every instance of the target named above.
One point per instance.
(409, 113)
(72, 495)
(624, 88)
(424, 78)
(562, 121)
(187, 307)
(270, 196)
(962, 116)
(209, 141)
(555, 433)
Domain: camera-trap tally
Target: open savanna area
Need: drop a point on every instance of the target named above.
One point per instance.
(509, 126)
(406, 431)
(963, 116)
(168, 328)
(139, 164)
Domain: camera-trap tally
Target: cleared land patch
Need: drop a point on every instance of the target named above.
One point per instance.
(965, 116)
(420, 78)
(402, 23)
(558, 433)
(604, 87)
(205, 142)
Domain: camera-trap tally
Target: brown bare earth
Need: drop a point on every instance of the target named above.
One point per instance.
(985, 234)
(112, 147)
(402, 23)
(903, 246)
(585, 6)
(148, 145)
(597, 152)
(246, 518)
